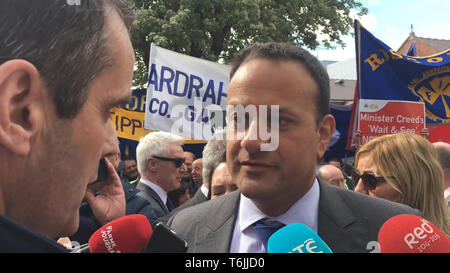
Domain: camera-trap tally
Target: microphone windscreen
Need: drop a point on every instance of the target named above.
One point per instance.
(127, 234)
(408, 233)
(296, 238)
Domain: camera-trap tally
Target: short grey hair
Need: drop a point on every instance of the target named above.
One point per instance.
(213, 154)
(154, 144)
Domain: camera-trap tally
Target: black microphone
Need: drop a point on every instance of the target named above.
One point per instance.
(165, 240)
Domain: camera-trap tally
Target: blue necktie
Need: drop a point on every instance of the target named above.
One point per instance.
(265, 228)
(169, 204)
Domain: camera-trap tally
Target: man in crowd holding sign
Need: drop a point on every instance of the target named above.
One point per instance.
(280, 184)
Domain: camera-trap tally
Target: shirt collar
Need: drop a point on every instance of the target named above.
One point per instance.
(161, 193)
(305, 210)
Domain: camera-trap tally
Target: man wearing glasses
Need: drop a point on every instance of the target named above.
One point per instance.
(160, 161)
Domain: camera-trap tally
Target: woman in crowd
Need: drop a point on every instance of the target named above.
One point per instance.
(403, 168)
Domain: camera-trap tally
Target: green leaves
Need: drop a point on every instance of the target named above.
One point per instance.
(218, 29)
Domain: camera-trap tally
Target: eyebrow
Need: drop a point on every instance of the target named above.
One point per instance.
(119, 101)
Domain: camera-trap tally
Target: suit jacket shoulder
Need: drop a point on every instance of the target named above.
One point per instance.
(198, 198)
(152, 197)
(348, 220)
(208, 226)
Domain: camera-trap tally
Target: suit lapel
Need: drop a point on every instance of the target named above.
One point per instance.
(152, 194)
(338, 227)
(216, 234)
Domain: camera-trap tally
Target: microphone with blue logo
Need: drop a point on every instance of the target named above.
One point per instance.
(296, 238)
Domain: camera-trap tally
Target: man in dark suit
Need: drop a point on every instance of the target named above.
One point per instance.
(160, 162)
(276, 175)
(213, 154)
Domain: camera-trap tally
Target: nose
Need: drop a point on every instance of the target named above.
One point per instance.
(251, 141)
(183, 168)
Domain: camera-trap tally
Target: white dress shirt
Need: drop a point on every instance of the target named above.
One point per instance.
(161, 193)
(204, 190)
(246, 240)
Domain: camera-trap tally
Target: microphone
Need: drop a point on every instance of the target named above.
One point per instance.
(127, 234)
(296, 238)
(408, 233)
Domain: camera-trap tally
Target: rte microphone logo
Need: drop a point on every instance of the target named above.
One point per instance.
(308, 246)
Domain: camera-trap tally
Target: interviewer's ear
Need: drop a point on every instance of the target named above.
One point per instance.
(20, 89)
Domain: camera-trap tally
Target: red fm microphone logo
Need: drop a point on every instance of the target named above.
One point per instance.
(408, 233)
(421, 237)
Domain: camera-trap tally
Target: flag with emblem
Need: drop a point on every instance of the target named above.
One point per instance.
(384, 74)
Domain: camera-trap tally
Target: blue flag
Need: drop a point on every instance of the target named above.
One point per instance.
(387, 75)
(337, 145)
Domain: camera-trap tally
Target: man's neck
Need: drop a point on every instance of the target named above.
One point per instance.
(153, 180)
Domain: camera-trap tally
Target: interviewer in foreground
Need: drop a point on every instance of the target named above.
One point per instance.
(62, 68)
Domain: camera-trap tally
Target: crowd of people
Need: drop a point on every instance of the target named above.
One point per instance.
(57, 89)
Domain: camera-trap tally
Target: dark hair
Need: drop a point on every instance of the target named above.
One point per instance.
(443, 156)
(285, 51)
(64, 40)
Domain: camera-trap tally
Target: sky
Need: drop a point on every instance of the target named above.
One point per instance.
(390, 21)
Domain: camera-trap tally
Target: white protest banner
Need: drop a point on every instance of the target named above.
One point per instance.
(186, 96)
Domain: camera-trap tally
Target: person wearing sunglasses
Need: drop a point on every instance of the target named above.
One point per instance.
(403, 168)
(160, 161)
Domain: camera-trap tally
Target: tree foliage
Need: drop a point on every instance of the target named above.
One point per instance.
(218, 29)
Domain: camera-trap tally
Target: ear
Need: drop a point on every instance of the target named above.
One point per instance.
(20, 87)
(151, 164)
(325, 129)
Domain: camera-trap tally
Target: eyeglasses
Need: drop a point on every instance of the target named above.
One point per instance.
(337, 182)
(178, 161)
(369, 180)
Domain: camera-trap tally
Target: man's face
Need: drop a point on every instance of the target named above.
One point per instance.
(168, 175)
(72, 148)
(188, 162)
(197, 169)
(333, 175)
(130, 168)
(221, 181)
(276, 179)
